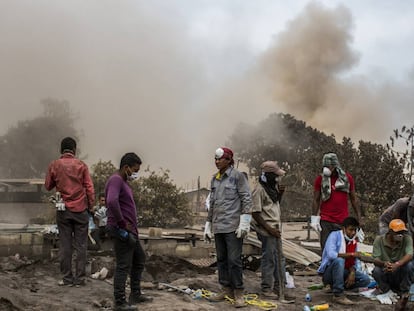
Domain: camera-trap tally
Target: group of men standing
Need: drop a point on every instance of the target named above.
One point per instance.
(234, 209)
(70, 177)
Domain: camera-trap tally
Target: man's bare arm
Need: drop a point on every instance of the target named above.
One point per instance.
(316, 202)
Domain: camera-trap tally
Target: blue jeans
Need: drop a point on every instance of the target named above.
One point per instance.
(229, 261)
(336, 274)
(398, 281)
(270, 264)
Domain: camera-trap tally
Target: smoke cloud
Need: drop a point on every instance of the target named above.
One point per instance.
(142, 81)
(309, 68)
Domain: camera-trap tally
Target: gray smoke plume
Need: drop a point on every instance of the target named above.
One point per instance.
(307, 67)
(141, 81)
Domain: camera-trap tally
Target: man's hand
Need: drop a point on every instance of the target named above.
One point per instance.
(208, 234)
(281, 189)
(315, 223)
(350, 280)
(129, 227)
(274, 232)
(354, 255)
(391, 267)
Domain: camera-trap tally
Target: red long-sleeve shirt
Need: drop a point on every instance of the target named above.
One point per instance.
(71, 178)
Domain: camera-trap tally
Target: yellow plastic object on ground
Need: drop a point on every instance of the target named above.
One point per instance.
(250, 299)
(325, 306)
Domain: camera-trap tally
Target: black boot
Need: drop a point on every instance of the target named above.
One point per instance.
(139, 298)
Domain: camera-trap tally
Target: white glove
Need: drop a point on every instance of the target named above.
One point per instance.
(360, 235)
(244, 226)
(315, 223)
(385, 299)
(208, 235)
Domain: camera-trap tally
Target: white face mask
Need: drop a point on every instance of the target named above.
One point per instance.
(348, 239)
(326, 172)
(133, 176)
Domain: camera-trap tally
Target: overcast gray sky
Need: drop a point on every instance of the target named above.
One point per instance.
(170, 79)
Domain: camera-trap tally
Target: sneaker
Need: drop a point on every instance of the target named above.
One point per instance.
(266, 294)
(65, 283)
(124, 307)
(134, 299)
(342, 300)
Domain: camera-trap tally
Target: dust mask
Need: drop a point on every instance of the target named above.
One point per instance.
(326, 172)
(133, 176)
(348, 239)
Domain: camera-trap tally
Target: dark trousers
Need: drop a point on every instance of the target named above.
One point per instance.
(73, 231)
(398, 281)
(327, 228)
(229, 261)
(130, 260)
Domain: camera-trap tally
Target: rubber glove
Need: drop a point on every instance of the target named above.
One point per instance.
(315, 223)
(244, 226)
(208, 234)
(385, 299)
(360, 235)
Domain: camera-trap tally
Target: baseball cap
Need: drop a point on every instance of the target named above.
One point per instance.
(397, 225)
(272, 167)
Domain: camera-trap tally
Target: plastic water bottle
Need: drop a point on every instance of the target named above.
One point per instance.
(308, 297)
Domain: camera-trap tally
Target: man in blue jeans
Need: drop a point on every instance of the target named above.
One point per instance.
(267, 224)
(338, 266)
(229, 218)
(122, 227)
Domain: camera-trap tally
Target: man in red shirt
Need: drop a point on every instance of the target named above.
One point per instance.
(330, 200)
(70, 176)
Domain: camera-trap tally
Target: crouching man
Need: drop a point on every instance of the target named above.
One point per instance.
(339, 257)
(393, 270)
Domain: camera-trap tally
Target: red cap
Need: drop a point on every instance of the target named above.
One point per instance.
(224, 152)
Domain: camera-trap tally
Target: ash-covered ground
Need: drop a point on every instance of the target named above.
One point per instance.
(32, 285)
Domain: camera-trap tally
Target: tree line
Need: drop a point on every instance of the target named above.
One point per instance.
(381, 174)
